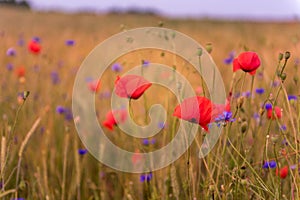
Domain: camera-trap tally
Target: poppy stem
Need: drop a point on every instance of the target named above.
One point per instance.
(202, 81)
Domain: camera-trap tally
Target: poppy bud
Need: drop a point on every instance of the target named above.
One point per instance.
(283, 76)
(261, 111)
(25, 94)
(244, 127)
(200, 52)
(287, 55)
(280, 56)
(208, 47)
(244, 182)
(240, 101)
(274, 138)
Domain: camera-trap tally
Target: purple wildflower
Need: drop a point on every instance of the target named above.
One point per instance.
(11, 52)
(146, 177)
(292, 97)
(268, 106)
(260, 90)
(55, 78)
(161, 125)
(36, 39)
(60, 109)
(145, 63)
(146, 142)
(246, 94)
(68, 115)
(230, 58)
(69, 42)
(21, 42)
(271, 164)
(283, 127)
(82, 151)
(9, 67)
(116, 67)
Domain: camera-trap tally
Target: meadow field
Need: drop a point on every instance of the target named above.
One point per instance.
(42, 157)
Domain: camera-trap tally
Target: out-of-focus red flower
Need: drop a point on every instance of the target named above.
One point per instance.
(34, 47)
(283, 172)
(113, 118)
(136, 157)
(94, 86)
(20, 71)
(247, 61)
(131, 86)
(198, 110)
(278, 113)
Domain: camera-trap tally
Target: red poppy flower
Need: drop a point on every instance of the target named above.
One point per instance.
(198, 110)
(34, 47)
(247, 61)
(113, 118)
(283, 172)
(278, 113)
(94, 86)
(20, 72)
(131, 86)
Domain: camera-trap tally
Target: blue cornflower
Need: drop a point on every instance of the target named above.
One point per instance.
(161, 125)
(260, 90)
(285, 142)
(9, 67)
(21, 42)
(292, 97)
(283, 127)
(36, 39)
(146, 177)
(70, 42)
(68, 115)
(147, 142)
(271, 164)
(11, 52)
(82, 151)
(246, 94)
(116, 67)
(60, 109)
(224, 117)
(230, 58)
(268, 106)
(55, 77)
(145, 63)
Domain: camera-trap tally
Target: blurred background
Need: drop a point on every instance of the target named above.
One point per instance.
(216, 9)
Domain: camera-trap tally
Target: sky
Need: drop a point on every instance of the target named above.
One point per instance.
(258, 9)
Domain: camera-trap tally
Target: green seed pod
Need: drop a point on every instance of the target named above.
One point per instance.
(22, 185)
(244, 182)
(287, 55)
(208, 47)
(160, 23)
(244, 127)
(283, 76)
(280, 56)
(240, 101)
(274, 138)
(25, 94)
(200, 51)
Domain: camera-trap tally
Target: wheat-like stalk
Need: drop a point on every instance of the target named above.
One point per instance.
(3, 156)
(174, 182)
(31, 131)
